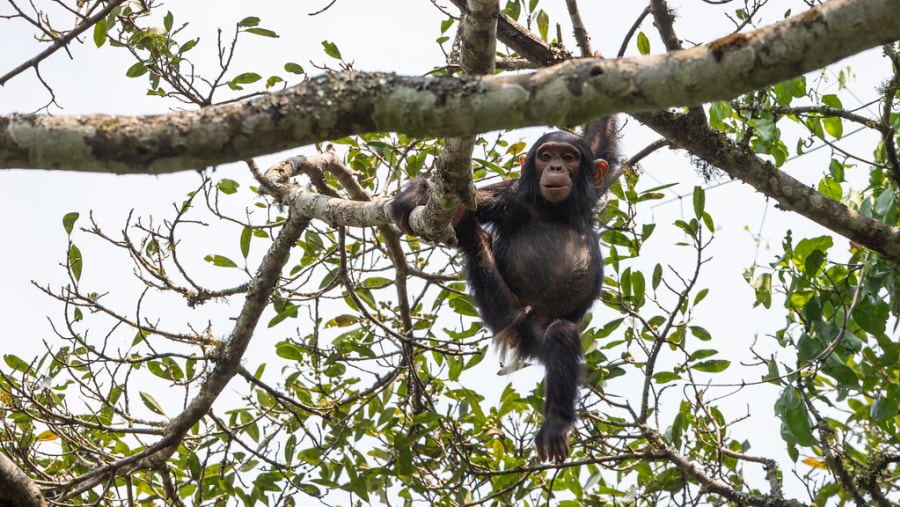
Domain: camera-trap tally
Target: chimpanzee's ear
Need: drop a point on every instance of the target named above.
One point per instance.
(600, 168)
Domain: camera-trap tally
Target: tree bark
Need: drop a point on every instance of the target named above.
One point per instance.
(16, 489)
(341, 104)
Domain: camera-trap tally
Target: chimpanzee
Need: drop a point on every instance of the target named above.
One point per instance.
(538, 271)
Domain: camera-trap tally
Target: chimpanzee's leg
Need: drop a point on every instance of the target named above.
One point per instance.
(561, 353)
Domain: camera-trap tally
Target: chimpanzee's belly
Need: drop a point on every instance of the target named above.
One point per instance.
(550, 266)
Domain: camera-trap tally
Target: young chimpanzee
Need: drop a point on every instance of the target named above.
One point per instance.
(538, 271)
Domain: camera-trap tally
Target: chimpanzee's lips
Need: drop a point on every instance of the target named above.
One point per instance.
(555, 193)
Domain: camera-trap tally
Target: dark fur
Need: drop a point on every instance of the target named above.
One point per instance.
(538, 271)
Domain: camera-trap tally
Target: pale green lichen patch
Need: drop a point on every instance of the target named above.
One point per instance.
(50, 141)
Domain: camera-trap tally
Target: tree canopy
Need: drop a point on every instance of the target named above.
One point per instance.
(275, 340)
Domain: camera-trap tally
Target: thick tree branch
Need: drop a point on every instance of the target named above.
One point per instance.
(452, 179)
(16, 489)
(341, 104)
(792, 195)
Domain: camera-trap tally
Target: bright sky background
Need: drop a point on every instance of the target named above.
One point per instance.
(387, 36)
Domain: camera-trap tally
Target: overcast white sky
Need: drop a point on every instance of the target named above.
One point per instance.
(389, 36)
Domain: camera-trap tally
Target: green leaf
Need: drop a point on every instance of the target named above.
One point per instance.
(168, 21)
(772, 374)
(700, 296)
(16, 363)
(159, 370)
(833, 126)
(246, 78)
(814, 262)
(136, 70)
(336, 370)
(708, 222)
(462, 306)
(513, 9)
(152, 404)
(228, 186)
(543, 23)
(446, 24)
(871, 315)
(796, 86)
(187, 46)
(614, 237)
(220, 261)
(836, 169)
(289, 350)
(829, 187)
(884, 203)
(832, 100)
(845, 376)
(689, 228)
(331, 50)
(285, 311)
(643, 43)
(884, 408)
(75, 262)
(69, 220)
(797, 420)
(249, 21)
(814, 124)
(677, 429)
(703, 354)
(294, 68)
(712, 366)
(805, 247)
(657, 276)
(265, 32)
(246, 236)
(376, 282)
(638, 287)
(718, 113)
(762, 285)
(665, 376)
(272, 81)
(765, 129)
(808, 347)
(100, 33)
(671, 480)
(699, 201)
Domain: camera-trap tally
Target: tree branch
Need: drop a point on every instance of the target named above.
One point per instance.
(227, 366)
(16, 487)
(569, 93)
(452, 179)
(791, 194)
(522, 41)
(63, 41)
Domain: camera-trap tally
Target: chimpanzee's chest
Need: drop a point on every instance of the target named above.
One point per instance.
(550, 266)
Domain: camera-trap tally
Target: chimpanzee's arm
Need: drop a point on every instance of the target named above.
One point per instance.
(498, 306)
(496, 203)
